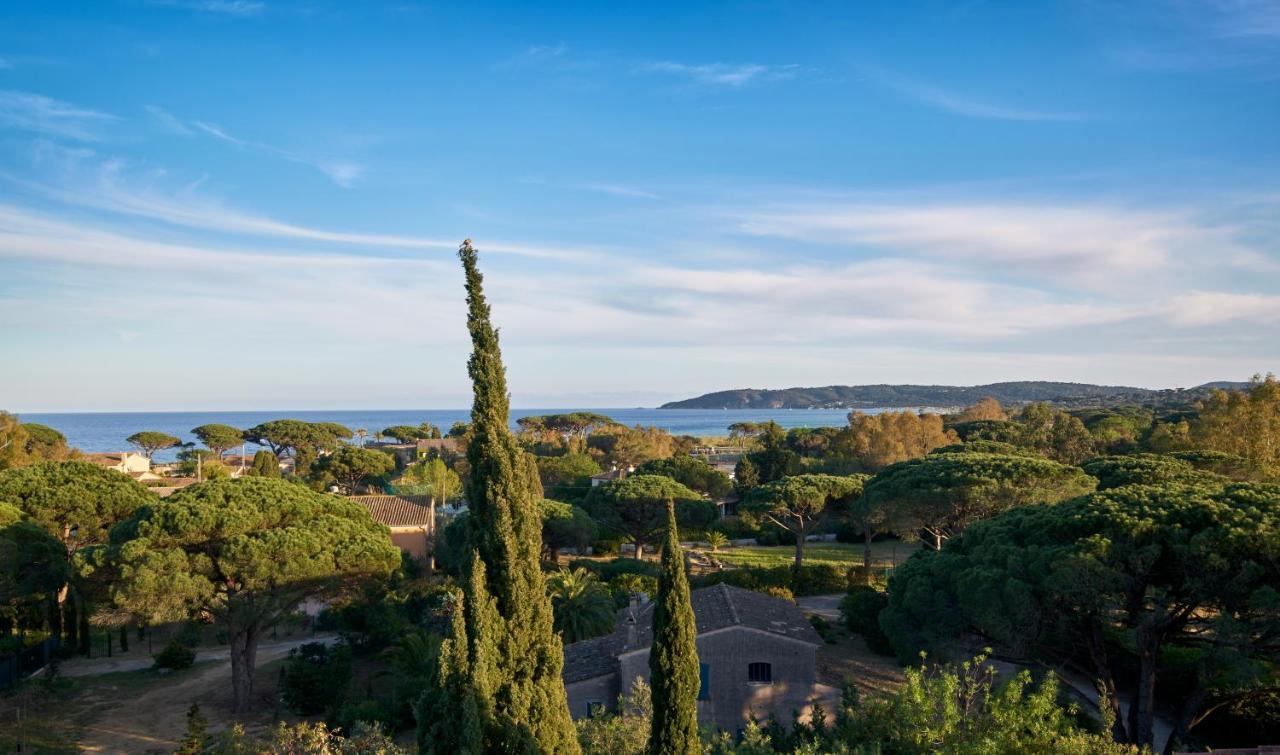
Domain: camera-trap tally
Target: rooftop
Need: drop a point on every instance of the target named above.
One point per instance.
(397, 510)
(717, 607)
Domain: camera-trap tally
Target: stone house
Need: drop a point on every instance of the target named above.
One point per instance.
(757, 656)
(410, 518)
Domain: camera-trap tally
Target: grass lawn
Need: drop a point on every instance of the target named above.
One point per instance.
(883, 553)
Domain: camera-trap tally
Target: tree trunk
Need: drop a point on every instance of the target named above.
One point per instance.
(639, 550)
(937, 541)
(124, 638)
(85, 638)
(1142, 706)
(867, 534)
(799, 551)
(244, 650)
(1186, 716)
(1102, 667)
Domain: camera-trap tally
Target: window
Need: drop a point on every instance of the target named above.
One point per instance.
(704, 681)
(760, 672)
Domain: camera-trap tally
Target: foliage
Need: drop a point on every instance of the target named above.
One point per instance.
(175, 655)
(811, 579)
(716, 540)
(961, 708)
(408, 433)
(197, 731)
(624, 731)
(353, 467)
(265, 464)
(567, 477)
(1143, 469)
(873, 442)
(435, 478)
(1244, 423)
(150, 441)
(566, 526)
(941, 494)
(1055, 434)
(307, 738)
(218, 438)
(745, 476)
(43, 443)
(860, 609)
(583, 608)
(987, 408)
(13, 442)
(692, 472)
(629, 446)
(1172, 566)
(246, 552)
(515, 658)
(673, 658)
(635, 506)
(799, 504)
(772, 458)
(296, 437)
(314, 678)
(200, 461)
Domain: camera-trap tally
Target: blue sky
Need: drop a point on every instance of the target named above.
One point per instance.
(243, 204)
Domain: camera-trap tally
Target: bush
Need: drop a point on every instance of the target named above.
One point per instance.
(624, 586)
(736, 528)
(780, 592)
(315, 677)
(813, 579)
(608, 570)
(823, 628)
(364, 711)
(860, 609)
(175, 655)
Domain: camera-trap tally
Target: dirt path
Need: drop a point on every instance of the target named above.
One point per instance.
(826, 606)
(139, 661)
(155, 719)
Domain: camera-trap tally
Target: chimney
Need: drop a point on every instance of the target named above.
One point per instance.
(632, 610)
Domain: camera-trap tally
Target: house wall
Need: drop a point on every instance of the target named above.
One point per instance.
(602, 689)
(732, 700)
(411, 540)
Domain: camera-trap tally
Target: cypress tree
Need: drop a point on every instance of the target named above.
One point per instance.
(509, 621)
(673, 659)
(448, 711)
(265, 464)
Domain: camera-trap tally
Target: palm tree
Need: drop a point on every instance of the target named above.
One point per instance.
(716, 540)
(581, 607)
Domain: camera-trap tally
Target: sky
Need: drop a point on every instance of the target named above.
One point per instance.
(256, 204)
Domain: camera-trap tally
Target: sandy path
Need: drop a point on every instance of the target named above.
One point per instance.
(155, 720)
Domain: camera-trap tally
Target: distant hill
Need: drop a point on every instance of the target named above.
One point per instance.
(945, 396)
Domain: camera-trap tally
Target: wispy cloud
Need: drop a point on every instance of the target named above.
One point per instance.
(168, 120)
(723, 74)
(224, 7)
(619, 190)
(962, 104)
(5, 64)
(38, 113)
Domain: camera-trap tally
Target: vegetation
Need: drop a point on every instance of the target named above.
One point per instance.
(798, 504)
(1169, 566)
(636, 507)
(150, 441)
(513, 657)
(352, 468)
(218, 438)
(246, 552)
(582, 607)
(673, 658)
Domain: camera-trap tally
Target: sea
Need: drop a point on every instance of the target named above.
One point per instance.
(104, 432)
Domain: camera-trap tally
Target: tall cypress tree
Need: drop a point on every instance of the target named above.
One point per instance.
(673, 660)
(522, 699)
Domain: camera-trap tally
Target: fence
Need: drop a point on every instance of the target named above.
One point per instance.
(14, 668)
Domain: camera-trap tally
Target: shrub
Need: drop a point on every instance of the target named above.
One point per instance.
(860, 609)
(736, 528)
(823, 628)
(175, 655)
(607, 570)
(315, 677)
(350, 715)
(780, 592)
(624, 586)
(716, 540)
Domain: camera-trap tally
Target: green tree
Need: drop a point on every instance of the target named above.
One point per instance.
(1055, 434)
(583, 608)
(404, 433)
(218, 438)
(522, 699)
(692, 472)
(150, 441)
(13, 442)
(353, 467)
(621, 732)
(565, 526)
(449, 711)
(33, 568)
(567, 477)
(44, 443)
(742, 432)
(673, 658)
(246, 552)
(941, 494)
(800, 504)
(745, 476)
(75, 502)
(1185, 574)
(635, 506)
(1245, 423)
(265, 464)
(772, 459)
(872, 442)
(1142, 469)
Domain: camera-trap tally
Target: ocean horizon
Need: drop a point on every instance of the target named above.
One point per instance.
(105, 432)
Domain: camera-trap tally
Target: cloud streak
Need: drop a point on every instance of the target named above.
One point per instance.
(37, 113)
(730, 75)
(960, 104)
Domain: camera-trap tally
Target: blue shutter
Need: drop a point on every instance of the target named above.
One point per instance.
(704, 681)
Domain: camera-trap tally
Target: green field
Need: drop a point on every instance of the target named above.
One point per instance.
(883, 553)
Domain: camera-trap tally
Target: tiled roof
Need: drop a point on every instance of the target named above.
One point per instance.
(717, 607)
(452, 445)
(397, 510)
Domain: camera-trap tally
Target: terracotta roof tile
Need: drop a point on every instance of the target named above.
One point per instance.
(397, 510)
